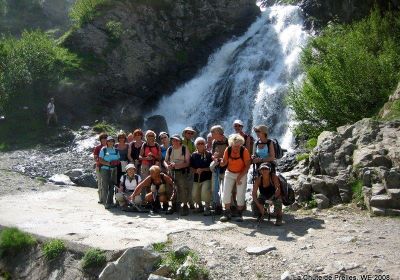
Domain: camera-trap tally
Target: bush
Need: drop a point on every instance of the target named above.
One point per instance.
(53, 249)
(350, 71)
(394, 111)
(311, 143)
(93, 258)
(356, 189)
(84, 11)
(300, 157)
(105, 127)
(114, 29)
(12, 241)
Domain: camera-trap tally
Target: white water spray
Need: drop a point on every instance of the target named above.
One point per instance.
(247, 79)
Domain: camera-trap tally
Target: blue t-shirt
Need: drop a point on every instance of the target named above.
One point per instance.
(262, 153)
(108, 154)
(164, 151)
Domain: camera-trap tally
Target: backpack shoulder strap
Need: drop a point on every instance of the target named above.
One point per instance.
(241, 152)
(137, 179)
(229, 151)
(183, 150)
(124, 182)
(169, 152)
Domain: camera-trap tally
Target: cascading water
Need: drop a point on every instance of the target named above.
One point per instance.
(247, 79)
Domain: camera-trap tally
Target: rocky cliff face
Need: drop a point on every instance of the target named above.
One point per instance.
(138, 52)
(366, 153)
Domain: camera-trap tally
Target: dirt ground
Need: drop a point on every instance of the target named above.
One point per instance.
(339, 243)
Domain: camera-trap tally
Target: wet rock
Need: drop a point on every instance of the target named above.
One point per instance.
(156, 123)
(86, 180)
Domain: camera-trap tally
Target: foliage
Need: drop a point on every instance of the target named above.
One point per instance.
(300, 157)
(192, 271)
(350, 71)
(103, 126)
(356, 189)
(394, 111)
(84, 11)
(311, 143)
(53, 249)
(93, 258)
(12, 241)
(312, 203)
(114, 29)
(159, 247)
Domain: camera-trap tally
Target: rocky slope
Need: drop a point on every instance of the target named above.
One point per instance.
(365, 154)
(136, 51)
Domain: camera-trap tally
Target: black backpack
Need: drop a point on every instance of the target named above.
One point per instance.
(278, 149)
(287, 191)
(124, 181)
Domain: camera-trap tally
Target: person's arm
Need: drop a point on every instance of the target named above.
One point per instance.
(224, 160)
(271, 153)
(277, 185)
(146, 182)
(102, 160)
(254, 195)
(247, 162)
(130, 151)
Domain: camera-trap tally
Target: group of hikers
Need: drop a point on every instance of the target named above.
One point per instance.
(176, 173)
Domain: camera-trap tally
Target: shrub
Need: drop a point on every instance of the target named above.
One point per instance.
(312, 203)
(311, 143)
(300, 157)
(93, 258)
(53, 249)
(350, 71)
(159, 247)
(12, 241)
(356, 189)
(114, 29)
(394, 111)
(84, 11)
(103, 126)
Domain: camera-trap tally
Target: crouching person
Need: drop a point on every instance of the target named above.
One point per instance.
(127, 186)
(268, 187)
(161, 189)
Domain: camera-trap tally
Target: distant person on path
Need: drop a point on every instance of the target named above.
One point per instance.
(96, 151)
(51, 112)
(268, 187)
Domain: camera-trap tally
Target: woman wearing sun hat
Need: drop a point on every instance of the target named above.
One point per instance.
(127, 186)
(267, 187)
(263, 150)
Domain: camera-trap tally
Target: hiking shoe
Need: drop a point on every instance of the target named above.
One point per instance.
(199, 210)
(239, 217)
(171, 210)
(278, 221)
(218, 210)
(207, 212)
(191, 204)
(165, 206)
(185, 210)
(226, 217)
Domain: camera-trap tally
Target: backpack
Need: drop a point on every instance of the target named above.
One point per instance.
(124, 181)
(278, 149)
(216, 143)
(104, 150)
(287, 191)
(169, 151)
(241, 152)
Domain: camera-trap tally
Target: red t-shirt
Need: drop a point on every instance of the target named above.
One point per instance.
(96, 152)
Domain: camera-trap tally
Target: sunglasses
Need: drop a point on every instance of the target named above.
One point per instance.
(151, 136)
(257, 131)
(190, 133)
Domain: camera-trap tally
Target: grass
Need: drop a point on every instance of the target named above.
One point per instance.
(312, 203)
(311, 143)
(394, 113)
(161, 246)
(13, 241)
(356, 189)
(93, 258)
(53, 249)
(301, 157)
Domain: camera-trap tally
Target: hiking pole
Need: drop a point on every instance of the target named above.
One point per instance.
(215, 192)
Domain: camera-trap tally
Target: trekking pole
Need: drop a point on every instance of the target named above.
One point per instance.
(176, 191)
(215, 192)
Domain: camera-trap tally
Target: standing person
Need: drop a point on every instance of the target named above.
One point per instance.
(200, 161)
(128, 184)
(177, 161)
(130, 138)
(209, 142)
(219, 144)
(268, 186)
(163, 137)
(96, 151)
(263, 148)
(150, 153)
(248, 139)
(122, 147)
(187, 135)
(134, 149)
(51, 111)
(237, 160)
(109, 160)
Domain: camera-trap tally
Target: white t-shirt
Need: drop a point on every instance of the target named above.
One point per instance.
(130, 185)
(51, 108)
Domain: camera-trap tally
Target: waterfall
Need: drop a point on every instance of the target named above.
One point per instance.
(247, 79)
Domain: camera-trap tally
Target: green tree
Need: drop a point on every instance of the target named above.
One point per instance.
(350, 71)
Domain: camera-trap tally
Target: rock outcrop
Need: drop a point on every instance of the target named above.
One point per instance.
(138, 51)
(367, 154)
